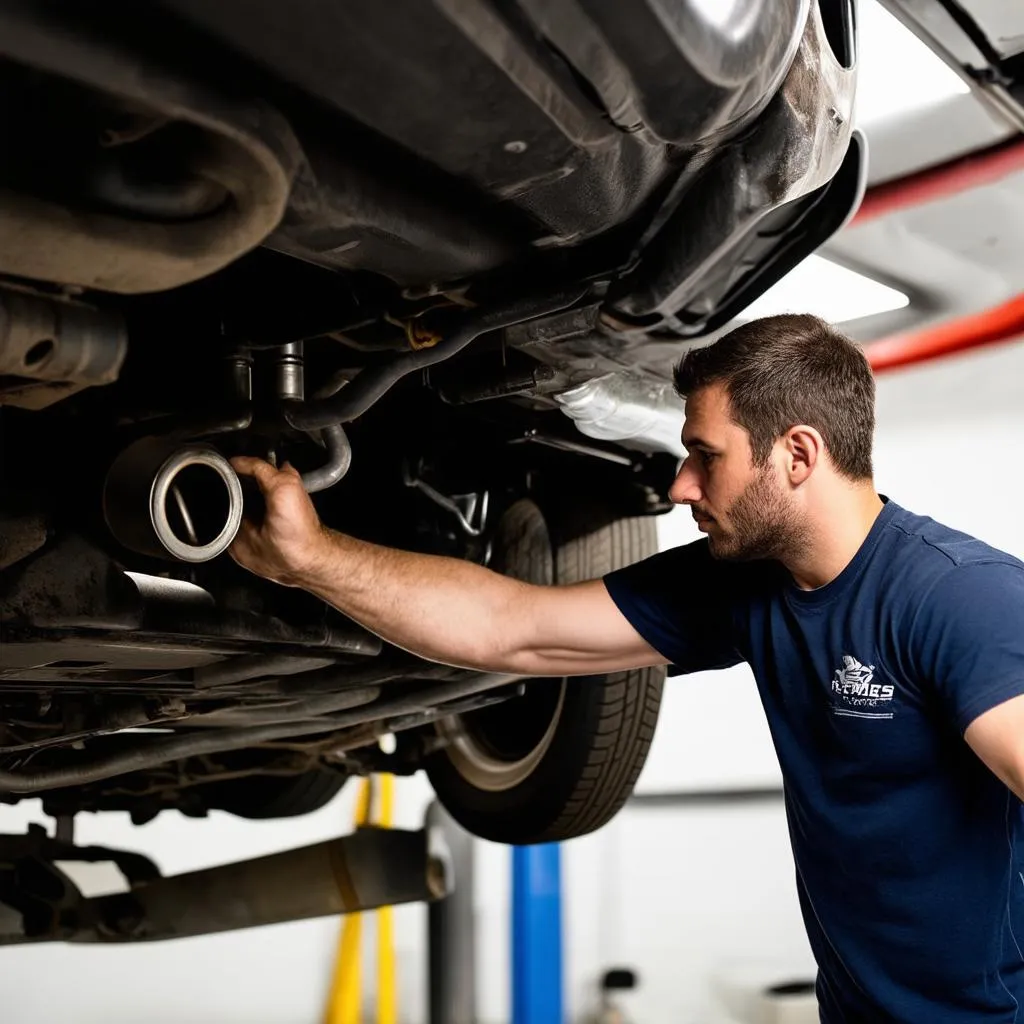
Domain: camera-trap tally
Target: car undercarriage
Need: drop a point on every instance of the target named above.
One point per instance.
(440, 258)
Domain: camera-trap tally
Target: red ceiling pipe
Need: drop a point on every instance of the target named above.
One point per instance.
(981, 168)
(1000, 323)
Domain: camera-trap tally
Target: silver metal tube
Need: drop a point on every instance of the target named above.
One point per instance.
(339, 459)
(289, 373)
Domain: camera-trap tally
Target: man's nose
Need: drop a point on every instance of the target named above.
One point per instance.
(685, 489)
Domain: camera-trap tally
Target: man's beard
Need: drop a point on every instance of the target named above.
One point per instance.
(762, 525)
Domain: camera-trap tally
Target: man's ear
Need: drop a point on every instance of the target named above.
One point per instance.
(804, 449)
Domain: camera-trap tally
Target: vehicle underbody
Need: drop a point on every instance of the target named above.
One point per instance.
(441, 258)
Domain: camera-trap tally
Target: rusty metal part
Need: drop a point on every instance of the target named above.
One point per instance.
(51, 348)
(370, 868)
(246, 151)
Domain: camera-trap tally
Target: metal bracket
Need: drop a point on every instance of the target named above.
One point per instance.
(50, 348)
(469, 509)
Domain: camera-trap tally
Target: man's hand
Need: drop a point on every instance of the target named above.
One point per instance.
(290, 541)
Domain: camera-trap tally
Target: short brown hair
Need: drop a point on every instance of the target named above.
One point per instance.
(783, 370)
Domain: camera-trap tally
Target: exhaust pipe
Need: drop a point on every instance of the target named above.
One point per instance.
(169, 500)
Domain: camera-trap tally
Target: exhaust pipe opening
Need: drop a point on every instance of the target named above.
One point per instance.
(197, 505)
(169, 501)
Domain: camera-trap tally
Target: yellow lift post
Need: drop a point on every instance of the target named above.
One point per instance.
(344, 1004)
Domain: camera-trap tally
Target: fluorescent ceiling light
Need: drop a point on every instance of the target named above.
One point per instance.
(828, 290)
(898, 75)
(732, 16)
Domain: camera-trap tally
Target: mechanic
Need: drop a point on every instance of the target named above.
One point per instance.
(888, 651)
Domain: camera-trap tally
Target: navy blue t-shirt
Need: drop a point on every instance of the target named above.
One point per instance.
(909, 851)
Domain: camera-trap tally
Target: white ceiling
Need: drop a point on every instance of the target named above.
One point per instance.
(969, 388)
(953, 256)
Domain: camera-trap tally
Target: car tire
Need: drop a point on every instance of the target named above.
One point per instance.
(560, 761)
(275, 796)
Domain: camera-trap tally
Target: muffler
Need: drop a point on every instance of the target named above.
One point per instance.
(168, 500)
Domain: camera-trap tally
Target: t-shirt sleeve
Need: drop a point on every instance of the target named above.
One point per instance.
(681, 603)
(969, 635)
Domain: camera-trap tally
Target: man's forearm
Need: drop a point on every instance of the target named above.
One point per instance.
(440, 608)
(443, 609)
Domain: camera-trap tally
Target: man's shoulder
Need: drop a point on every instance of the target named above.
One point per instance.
(949, 601)
(692, 565)
(927, 546)
(931, 573)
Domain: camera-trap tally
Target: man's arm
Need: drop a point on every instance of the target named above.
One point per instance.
(968, 642)
(442, 609)
(997, 737)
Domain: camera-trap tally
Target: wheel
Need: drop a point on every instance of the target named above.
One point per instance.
(561, 760)
(275, 796)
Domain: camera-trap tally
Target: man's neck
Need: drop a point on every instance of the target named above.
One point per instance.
(837, 527)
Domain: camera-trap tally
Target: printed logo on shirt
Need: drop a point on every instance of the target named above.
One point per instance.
(857, 695)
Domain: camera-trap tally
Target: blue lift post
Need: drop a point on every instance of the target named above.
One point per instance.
(537, 934)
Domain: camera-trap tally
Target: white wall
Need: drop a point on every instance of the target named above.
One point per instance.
(698, 899)
(951, 442)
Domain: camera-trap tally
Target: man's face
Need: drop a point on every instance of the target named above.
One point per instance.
(744, 509)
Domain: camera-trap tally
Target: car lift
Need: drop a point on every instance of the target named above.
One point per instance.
(371, 868)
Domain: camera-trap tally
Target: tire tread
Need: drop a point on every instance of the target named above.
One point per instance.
(629, 701)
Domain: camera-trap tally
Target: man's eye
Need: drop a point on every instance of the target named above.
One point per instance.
(707, 457)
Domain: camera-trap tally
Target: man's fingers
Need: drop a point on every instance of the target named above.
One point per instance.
(291, 470)
(262, 472)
